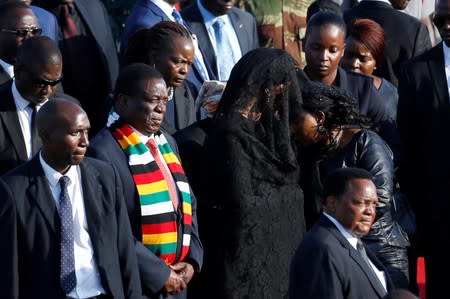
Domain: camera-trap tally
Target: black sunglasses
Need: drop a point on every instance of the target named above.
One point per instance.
(41, 83)
(440, 20)
(23, 32)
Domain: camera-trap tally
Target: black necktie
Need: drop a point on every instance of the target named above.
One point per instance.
(362, 251)
(68, 278)
(35, 139)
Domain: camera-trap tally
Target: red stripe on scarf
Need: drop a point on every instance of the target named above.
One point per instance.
(166, 227)
(147, 178)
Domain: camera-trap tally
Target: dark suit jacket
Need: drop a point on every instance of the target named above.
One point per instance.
(424, 123)
(97, 20)
(406, 37)
(154, 271)
(325, 265)
(145, 14)
(244, 25)
(30, 232)
(4, 77)
(12, 145)
(184, 110)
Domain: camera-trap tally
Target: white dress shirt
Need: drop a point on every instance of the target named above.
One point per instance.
(86, 271)
(24, 112)
(353, 240)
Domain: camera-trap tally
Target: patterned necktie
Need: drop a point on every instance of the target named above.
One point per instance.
(68, 278)
(224, 56)
(68, 25)
(198, 65)
(166, 174)
(35, 139)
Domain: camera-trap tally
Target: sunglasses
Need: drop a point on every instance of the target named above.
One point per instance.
(440, 20)
(41, 83)
(23, 32)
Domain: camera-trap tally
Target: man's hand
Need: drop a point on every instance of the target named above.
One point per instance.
(175, 283)
(184, 270)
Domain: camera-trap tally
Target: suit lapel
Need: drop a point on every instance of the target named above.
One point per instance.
(238, 28)
(40, 192)
(356, 256)
(92, 198)
(436, 69)
(8, 113)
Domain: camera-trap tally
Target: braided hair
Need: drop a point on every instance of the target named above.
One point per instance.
(145, 44)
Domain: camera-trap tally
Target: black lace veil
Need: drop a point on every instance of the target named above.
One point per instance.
(266, 79)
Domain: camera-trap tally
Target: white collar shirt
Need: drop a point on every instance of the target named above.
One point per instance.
(86, 270)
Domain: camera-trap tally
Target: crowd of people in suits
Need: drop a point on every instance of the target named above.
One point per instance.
(115, 184)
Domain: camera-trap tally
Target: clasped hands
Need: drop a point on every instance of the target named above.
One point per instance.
(180, 275)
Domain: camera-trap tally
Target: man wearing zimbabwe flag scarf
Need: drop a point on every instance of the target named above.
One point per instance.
(161, 206)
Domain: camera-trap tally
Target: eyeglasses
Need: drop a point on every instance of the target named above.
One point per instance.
(440, 20)
(23, 32)
(41, 83)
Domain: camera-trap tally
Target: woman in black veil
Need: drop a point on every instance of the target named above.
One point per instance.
(251, 209)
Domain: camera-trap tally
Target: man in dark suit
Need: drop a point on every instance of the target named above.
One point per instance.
(406, 36)
(37, 69)
(161, 206)
(90, 58)
(64, 227)
(424, 124)
(17, 23)
(239, 29)
(147, 13)
(332, 261)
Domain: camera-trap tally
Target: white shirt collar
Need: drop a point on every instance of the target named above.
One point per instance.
(9, 68)
(446, 54)
(165, 7)
(351, 239)
(144, 139)
(53, 176)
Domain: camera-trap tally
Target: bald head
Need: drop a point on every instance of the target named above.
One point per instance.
(54, 112)
(38, 50)
(63, 127)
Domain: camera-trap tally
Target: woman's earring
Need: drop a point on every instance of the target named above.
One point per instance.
(321, 129)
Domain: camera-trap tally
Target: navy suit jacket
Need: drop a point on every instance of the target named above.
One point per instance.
(325, 265)
(153, 271)
(145, 14)
(244, 25)
(47, 21)
(406, 36)
(30, 232)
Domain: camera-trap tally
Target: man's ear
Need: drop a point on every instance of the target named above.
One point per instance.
(330, 204)
(121, 102)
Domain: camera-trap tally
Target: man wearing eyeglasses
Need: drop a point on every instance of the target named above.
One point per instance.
(37, 70)
(17, 23)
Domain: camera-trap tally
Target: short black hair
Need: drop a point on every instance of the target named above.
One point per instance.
(132, 77)
(337, 181)
(322, 5)
(321, 18)
(7, 7)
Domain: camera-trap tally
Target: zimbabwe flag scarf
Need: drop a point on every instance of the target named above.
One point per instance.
(159, 226)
